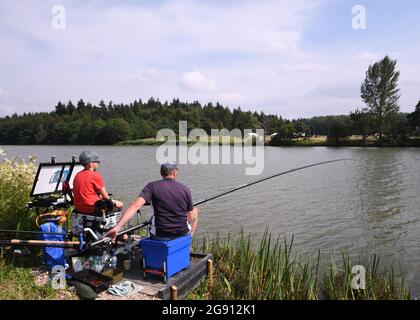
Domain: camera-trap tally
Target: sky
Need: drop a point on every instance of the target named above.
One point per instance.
(294, 58)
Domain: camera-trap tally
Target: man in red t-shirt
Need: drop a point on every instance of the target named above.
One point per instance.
(88, 185)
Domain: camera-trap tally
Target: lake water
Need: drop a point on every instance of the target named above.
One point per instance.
(368, 205)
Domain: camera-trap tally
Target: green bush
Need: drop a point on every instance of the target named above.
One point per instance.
(16, 179)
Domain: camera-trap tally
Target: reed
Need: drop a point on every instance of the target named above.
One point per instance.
(269, 270)
(381, 280)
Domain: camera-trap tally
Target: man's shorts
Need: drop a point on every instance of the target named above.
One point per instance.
(153, 236)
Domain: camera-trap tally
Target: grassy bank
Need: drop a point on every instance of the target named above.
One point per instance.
(270, 270)
(413, 142)
(140, 142)
(20, 283)
(223, 140)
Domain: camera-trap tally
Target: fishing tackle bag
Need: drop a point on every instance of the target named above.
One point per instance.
(52, 256)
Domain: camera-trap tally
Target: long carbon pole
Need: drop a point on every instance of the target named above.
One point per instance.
(131, 229)
(33, 232)
(264, 179)
(222, 194)
(45, 243)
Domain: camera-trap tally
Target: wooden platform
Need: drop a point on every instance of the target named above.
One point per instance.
(185, 281)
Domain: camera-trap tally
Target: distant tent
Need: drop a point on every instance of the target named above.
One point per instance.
(299, 134)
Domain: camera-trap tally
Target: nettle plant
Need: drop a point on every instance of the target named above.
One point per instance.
(16, 178)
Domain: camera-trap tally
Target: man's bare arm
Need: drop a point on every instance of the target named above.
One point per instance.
(104, 194)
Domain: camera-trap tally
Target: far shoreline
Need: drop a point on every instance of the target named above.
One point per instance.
(412, 142)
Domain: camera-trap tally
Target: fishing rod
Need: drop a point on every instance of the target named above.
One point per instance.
(128, 230)
(220, 195)
(34, 232)
(264, 179)
(45, 243)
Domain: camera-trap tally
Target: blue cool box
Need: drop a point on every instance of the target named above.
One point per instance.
(174, 253)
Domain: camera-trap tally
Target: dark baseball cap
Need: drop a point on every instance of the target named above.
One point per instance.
(168, 166)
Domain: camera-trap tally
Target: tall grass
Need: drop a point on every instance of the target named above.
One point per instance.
(16, 178)
(381, 282)
(270, 270)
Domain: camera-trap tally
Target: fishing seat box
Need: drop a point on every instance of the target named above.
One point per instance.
(166, 258)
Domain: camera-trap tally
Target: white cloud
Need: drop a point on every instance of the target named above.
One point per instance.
(232, 99)
(6, 110)
(196, 81)
(122, 53)
(246, 53)
(335, 90)
(2, 92)
(308, 66)
(366, 56)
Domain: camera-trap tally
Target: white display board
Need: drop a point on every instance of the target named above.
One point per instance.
(76, 170)
(48, 177)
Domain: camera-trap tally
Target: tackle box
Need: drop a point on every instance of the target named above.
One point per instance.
(166, 258)
(115, 274)
(97, 281)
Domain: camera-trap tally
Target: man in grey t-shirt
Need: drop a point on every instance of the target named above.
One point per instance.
(173, 212)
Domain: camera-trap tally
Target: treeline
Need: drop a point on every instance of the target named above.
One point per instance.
(397, 129)
(106, 124)
(85, 123)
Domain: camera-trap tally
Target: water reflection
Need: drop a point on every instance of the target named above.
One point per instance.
(381, 183)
